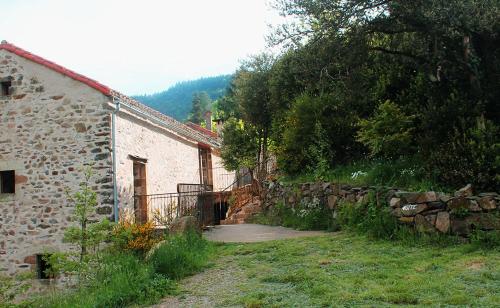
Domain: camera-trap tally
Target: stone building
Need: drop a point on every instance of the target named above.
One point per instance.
(54, 121)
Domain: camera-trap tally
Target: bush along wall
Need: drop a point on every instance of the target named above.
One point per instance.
(461, 214)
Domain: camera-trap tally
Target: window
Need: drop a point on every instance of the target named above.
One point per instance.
(7, 182)
(5, 88)
(43, 268)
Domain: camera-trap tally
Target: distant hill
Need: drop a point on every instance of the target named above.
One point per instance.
(176, 101)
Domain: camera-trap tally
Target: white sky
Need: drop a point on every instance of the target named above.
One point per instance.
(139, 46)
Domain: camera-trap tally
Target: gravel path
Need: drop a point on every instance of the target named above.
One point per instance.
(210, 287)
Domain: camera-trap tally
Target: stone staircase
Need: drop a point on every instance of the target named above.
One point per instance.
(244, 214)
(246, 204)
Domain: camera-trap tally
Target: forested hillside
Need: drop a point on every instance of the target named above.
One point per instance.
(176, 101)
(387, 89)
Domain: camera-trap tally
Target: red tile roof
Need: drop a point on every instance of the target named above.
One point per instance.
(192, 130)
(56, 67)
(202, 129)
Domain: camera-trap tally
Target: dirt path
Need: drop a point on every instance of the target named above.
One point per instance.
(211, 287)
(251, 233)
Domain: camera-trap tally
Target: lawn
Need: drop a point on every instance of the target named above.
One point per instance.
(343, 269)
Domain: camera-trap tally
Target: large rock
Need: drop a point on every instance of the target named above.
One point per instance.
(332, 201)
(460, 226)
(423, 225)
(407, 220)
(483, 221)
(443, 222)
(417, 197)
(413, 209)
(464, 191)
(487, 203)
(458, 203)
(395, 202)
(184, 224)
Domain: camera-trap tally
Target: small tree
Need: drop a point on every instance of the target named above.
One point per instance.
(88, 233)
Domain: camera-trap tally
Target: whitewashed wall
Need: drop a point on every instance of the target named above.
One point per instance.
(171, 159)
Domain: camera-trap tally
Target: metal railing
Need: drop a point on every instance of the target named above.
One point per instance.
(162, 209)
(205, 202)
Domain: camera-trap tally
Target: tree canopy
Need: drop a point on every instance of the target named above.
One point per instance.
(384, 79)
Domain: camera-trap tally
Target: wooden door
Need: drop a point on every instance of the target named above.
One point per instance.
(206, 167)
(140, 192)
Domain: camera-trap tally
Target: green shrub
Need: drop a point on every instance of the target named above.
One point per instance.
(388, 133)
(307, 215)
(375, 220)
(181, 255)
(402, 173)
(372, 218)
(119, 280)
(472, 155)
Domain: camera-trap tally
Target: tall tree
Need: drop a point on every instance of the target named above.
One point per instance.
(200, 104)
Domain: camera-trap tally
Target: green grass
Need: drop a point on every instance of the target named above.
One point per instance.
(349, 270)
(404, 174)
(122, 279)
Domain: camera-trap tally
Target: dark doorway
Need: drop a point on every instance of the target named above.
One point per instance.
(43, 267)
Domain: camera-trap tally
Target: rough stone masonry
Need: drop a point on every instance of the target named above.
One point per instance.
(459, 213)
(50, 127)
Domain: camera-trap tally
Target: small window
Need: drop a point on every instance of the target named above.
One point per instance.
(5, 88)
(43, 269)
(7, 182)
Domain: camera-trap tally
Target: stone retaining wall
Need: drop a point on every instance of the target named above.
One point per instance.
(459, 213)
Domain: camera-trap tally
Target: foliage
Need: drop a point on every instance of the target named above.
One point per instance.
(402, 173)
(119, 280)
(471, 154)
(181, 255)
(371, 217)
(137, 238)
(388, 133)
(433, 64)
(374, 219)
(88, 233)
(308, 215)
(10, 287)
(486, 239)
(201, 103)
(309, 123)
(239, 145)
(176, 101)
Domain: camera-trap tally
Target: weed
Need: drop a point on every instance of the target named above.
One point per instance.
(485, 239)
(181, 255)
(120, 280)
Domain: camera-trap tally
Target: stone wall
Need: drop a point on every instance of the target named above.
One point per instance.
(459, 213)
(50, 127)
